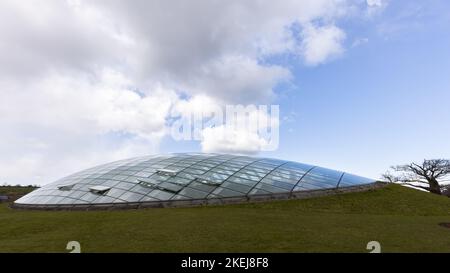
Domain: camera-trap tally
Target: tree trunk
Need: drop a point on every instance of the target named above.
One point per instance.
(434, 186)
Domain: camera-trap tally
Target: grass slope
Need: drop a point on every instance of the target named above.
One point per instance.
(401, 219)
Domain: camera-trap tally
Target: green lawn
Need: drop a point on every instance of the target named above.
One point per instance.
(401, 219)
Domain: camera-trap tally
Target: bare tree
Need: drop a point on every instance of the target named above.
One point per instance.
(425, 176)
(445, 190)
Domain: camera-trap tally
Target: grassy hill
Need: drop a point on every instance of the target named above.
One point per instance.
(401, 219)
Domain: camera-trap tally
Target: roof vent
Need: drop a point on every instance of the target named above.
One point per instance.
(207, 182)
(166, 172)
(101, 190)
(66, 187)
(158, 187)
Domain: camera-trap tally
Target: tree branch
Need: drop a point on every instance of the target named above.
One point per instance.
(428, 175)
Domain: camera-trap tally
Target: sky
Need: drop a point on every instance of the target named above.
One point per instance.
(361, 84)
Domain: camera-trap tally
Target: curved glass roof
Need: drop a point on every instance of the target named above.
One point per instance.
(187, 176)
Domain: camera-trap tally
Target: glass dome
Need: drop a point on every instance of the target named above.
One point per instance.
(186, 179)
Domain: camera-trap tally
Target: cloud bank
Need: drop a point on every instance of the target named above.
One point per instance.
(84, 82)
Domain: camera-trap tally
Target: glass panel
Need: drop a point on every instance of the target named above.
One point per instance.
(43, 199)
(24, 200)
(201, 167)
(159, 177)
(148, 199)
(54, 200)
(107, 176)
(125, 185)
(297, 167)
(280, 183)
(194, 194)
(245, 159)
(351, 180)
(270, 188)
(141, 189)
(132, 179)
(80, 202)
(129, 172)
(181, 165)
(110, 183)
(308, 187)
(131, 197)
(186, 176)
(120, 177)
(76, 194)
(247, 176)
(253, 172)
(144, 174)
(170, 187)
(286, 175)
(85, 181)
(194, 171)
(36, 192)
(180, 197)
(89, 197)
(151, 170)
(222, 171)
(136, 168)
(223, 192)
(201, 187)
(260, 170)
(64, 193)
(98, 181)
(236, 187)
(161, 195)
(67, 201)
(175, 168)
(229, 167)
(104, 199)
(115, 193)
(322, 177)
(258, 191)
(179, 180)
(239, 180)
(213, 177)
(79, 186)
(272, 161)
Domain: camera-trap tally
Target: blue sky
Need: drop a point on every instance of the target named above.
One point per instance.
(383, 102)
(361, 84)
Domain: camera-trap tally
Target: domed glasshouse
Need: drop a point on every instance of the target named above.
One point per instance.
(188, 179)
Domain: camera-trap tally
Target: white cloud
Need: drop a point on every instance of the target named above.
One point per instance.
(222, 140)
(376, 3)
(243, 134)
(63, 123)
(360, 41)
(74, 104)
(321, 43)
(375, 6)
(237, 79)
(83, 82)
(198, 106)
